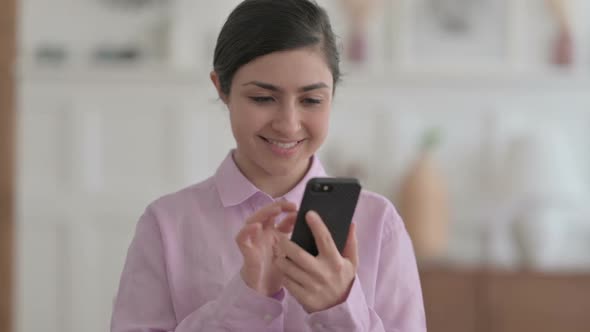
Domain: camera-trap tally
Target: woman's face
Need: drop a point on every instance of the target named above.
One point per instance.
(279, 108)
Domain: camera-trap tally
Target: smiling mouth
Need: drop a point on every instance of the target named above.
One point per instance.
(283, 145)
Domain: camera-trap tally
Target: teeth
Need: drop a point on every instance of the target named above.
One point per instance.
(283, 145)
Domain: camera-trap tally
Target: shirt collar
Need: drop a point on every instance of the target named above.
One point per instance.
(234, 188)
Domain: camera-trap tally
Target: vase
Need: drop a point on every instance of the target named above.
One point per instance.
(423, 205)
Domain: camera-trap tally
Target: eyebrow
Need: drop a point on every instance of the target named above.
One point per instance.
(275, 88)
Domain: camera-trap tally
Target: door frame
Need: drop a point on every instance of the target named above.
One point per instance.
(7, 160)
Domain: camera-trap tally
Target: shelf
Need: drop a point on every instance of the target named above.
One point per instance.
(353, 79)
(125, 74)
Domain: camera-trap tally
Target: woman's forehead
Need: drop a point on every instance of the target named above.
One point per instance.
(288, 69)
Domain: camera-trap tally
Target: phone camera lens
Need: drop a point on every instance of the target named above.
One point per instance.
(317, 187)
(321, 187)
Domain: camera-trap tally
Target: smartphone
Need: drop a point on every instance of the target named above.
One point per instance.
(335, 200)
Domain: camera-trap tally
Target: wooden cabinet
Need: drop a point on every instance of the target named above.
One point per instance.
(490, 301)
(536, 302)
(450, 300)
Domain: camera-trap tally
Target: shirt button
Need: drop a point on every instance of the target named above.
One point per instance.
(319, 325)
(267, 318)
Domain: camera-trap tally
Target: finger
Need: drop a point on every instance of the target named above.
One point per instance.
(287, 206)
(294, 272)
(244, 236)
(351, 249)
(288, 223)
(256, 234)
(294, 288)
(322, 236)
(246, 239)
(271, 211)
(298, 255)
(266, 213)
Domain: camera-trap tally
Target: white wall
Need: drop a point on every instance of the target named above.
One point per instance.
(96, 145)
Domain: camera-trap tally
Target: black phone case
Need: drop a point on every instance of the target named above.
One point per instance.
(336, 208)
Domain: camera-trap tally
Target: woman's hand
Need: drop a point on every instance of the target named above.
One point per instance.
(318, 283)
(256, 241)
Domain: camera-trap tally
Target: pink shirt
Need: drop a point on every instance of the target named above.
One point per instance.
(182, 268)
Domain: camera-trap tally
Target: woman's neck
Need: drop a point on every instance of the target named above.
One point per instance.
(273, 185)
(277, 186)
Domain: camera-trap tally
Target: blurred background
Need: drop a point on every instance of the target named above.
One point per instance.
(472, 116)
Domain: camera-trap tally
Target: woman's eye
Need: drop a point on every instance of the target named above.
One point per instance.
(262, 100)
(312, 101)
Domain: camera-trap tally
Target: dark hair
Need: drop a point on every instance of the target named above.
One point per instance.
(259, 27)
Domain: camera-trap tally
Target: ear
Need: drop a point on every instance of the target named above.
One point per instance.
(215, 80)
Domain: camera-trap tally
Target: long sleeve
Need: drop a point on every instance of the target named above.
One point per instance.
(398, 303)
(144, 301)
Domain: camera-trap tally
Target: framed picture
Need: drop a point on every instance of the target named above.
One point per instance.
(455, 36)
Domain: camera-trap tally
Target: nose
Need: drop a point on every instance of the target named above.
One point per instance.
(286, 121)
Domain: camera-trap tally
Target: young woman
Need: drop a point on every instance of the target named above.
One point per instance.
(211, 257)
